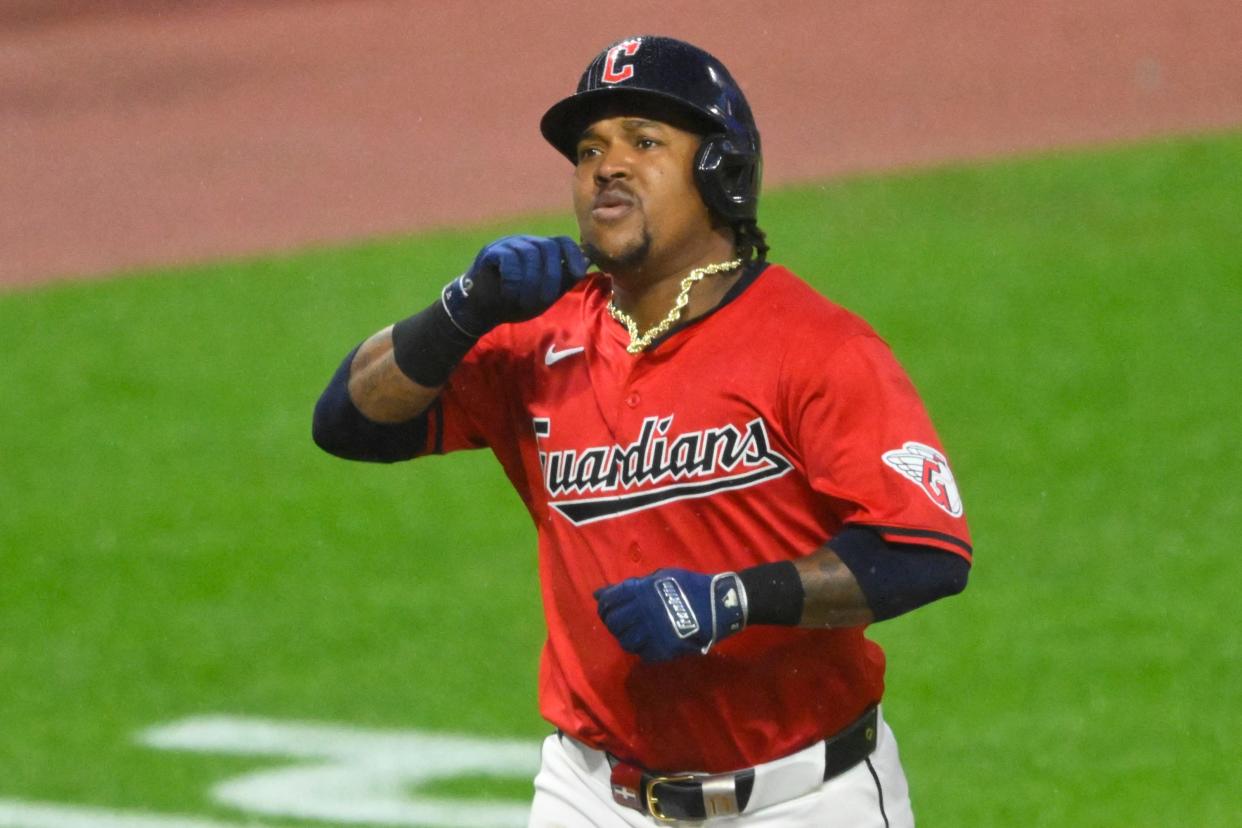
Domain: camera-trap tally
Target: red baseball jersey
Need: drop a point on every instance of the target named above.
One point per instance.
(750, 435)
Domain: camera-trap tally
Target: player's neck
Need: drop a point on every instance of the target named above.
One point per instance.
(648, 292)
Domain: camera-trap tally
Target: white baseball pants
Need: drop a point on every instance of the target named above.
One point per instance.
(573, 790)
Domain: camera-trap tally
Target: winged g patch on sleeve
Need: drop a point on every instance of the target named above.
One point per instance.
(929, 470)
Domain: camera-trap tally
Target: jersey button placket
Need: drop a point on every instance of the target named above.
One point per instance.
(631, 408)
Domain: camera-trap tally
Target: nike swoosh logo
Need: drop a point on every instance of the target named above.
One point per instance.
(554, 356)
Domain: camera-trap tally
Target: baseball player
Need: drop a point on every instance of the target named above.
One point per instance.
(730, 476)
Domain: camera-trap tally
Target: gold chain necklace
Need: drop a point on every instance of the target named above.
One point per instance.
(637, 342)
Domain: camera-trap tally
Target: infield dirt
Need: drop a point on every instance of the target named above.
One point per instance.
(138, 134)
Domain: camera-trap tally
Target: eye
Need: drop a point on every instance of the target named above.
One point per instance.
(587, 151)
(645, 142)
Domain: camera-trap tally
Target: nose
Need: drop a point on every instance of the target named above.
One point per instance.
(615, 164)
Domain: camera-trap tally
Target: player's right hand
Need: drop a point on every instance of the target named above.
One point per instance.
(513, 279)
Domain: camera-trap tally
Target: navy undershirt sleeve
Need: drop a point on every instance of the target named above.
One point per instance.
(339, 428)
(898, 577)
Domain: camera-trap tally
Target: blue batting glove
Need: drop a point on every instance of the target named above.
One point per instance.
(673, 612)
(513, 279)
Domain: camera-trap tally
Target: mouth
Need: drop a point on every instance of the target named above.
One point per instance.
(612, 204)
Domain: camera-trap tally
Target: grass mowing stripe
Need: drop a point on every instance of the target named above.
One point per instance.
(173, 545)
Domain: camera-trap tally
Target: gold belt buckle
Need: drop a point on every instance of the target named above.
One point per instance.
(653, 804)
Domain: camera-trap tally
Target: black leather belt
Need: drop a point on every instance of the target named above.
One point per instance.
(674, 797)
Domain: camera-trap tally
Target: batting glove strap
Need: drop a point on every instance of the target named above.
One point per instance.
(729, 607)
(464, 314)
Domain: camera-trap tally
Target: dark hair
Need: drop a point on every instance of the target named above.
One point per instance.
(749, 242)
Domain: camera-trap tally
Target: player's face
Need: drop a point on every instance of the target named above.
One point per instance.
(634, 193)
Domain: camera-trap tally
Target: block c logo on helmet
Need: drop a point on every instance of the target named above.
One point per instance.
(611, 73)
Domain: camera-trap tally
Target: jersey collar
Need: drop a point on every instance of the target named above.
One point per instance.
(750, 272)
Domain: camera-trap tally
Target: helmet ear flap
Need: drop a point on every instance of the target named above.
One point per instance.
(728, 176)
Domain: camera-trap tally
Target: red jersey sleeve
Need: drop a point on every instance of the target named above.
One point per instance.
(473, 409)
(868, 444)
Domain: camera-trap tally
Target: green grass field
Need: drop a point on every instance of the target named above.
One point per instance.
(172, 544)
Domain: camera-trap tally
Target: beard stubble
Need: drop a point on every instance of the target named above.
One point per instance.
(631, 258)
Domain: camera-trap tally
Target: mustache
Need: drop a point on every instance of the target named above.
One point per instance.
(615, 192)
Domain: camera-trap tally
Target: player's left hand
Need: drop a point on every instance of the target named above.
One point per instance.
(673, 612)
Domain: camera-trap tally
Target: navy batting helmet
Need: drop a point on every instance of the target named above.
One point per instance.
(664, 74)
